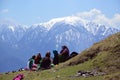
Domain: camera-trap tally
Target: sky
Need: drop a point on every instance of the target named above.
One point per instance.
(29, 12)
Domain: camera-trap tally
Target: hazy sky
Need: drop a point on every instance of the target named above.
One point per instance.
(29, 12)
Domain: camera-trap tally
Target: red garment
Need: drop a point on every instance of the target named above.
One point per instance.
(38, 59)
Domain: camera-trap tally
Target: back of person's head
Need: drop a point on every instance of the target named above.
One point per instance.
(48, 54)
(55, 52)
(33, 57)
(39, 55)
(64, 46)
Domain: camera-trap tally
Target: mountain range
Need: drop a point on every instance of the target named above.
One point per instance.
(19, 42)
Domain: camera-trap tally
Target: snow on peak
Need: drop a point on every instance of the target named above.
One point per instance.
(12, 28)
(83, 18)
(72, 20)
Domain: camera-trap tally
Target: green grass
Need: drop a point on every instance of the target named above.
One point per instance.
(58, 74)
(55, 73)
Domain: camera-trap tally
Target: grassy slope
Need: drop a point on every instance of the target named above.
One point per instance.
(104, 55)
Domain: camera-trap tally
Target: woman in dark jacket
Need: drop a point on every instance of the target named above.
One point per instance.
(46, 62)
(64, 54)
(56, 57)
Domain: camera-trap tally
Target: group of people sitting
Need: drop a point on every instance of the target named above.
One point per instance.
(36, 62)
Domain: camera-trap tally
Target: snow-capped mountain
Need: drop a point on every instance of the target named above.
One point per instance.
(12, 33)
(33, 39)
(75, 32)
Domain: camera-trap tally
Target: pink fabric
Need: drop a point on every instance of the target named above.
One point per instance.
(34, 66)
(19, 77)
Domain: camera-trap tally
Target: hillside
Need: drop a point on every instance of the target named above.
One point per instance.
(103, 57)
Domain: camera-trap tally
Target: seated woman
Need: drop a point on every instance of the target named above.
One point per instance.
(46, 62)
(56, 57)
(31, 65)
(64, 54)
(38, 60)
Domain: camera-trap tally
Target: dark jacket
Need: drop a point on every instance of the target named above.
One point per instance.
(56, 57)
(46, 63)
